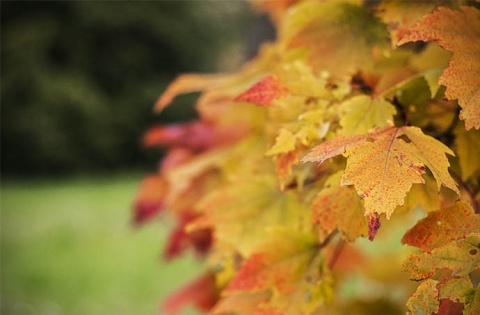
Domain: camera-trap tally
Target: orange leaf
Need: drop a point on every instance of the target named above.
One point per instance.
(180, 239)
(442, 226)
(459, 32)
(150, 198)
(291, 266)
(330, 31)
(383, 166)
(461, 257)
(185, 84)
(338, 207)
(264, 92)
(201, 292)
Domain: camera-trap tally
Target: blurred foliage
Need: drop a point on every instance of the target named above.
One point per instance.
(79, 78)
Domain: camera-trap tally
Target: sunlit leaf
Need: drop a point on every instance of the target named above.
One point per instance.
(461, 257)
(459, 32)
(383, 166)
(443, 226)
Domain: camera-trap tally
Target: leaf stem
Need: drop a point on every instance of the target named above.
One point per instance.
(338, 250)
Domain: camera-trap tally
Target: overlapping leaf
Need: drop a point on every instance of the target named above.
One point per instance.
(330, 31)
(264, 92)
(460, 257)
(400, 16)
(383, 166)
(443, 226)
(339, 207)
(362, 113)
(201, 293)
(291, 267)
(241, 214)
(459, 32)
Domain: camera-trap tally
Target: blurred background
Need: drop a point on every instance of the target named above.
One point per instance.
(78, 83)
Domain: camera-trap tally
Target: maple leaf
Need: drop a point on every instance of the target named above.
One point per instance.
(461, 290)
(243, 212)
(330, 32)
(201, 292)
(180, 239)
(338, 207)
(467, 145)
(400, 16)
(284, 143)
(150, 198)
(185, 84)
(442, 226)
(289, 265)
(383, 166)
(459, 32)
(361, 113)
(264, 92)
(425, 298)
(242, 303)
(461, 257)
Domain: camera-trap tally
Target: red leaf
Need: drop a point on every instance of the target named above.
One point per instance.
(264, 92)
(449, 307)
(180, 239)
(150, 198)
(201, 292)
(196, 135)
(174, 157)
(443, 226)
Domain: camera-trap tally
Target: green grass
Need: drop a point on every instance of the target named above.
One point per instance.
(67, 247)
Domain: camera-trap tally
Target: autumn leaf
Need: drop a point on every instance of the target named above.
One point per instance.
(467, 145)
(284, 143)
(185, 84)
(329, 32)
(180, 239)
(443, 226)
(242, 303)
(339, 207)
(425, 299)
(242, 214)
(459, 32)
(400, 16)
(264, 92)
(361, 113)
(383, 166)
(461, 257)
(289, 265)
(458, 289)
(150, 198)
(200, 293)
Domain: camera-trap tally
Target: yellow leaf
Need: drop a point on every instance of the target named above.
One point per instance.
(459, 32)
(400, 15)
(292, 268)
(329, 32)
(243, 212)
(467, 145)
(425, 299)
(383, 166)
(284, 143)
(361, 113)
(461, 257)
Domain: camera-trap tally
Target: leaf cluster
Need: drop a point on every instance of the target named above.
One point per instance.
(358, 120)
